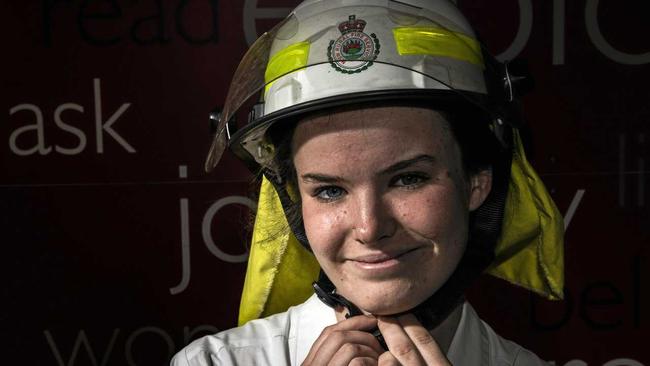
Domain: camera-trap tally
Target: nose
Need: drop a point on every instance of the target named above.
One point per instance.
(374, 219)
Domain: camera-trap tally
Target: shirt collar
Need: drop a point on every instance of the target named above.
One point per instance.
(313, 318)
(469, 345)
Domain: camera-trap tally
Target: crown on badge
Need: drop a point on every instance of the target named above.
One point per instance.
(352, 25)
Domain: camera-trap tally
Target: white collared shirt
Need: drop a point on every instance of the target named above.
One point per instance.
(286, 338)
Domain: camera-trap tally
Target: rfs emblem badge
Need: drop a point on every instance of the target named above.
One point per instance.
(354, 51)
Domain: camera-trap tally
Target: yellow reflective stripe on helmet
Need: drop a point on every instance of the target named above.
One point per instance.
(437, 42)
(284, 61)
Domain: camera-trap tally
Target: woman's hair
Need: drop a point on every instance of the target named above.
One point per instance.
(478, 146)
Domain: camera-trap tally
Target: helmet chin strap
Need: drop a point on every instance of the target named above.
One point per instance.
(326, 292)
(430, 313)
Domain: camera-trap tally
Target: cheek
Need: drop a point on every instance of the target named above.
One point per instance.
(438, 215)
(323, 227)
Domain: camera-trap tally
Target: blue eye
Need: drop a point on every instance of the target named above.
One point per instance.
(409, 180)
(329, 193)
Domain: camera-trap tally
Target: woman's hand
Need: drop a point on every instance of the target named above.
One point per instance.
(409, 343)
(346, 343)
(349, 343)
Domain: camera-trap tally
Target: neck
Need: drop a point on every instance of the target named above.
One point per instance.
(443, 333)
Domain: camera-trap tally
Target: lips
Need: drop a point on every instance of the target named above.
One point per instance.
(381, 257)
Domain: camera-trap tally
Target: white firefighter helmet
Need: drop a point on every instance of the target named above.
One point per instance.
(333, 52)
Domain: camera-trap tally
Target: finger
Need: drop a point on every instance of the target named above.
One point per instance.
(351, 351)
(364, 361)
(423, 340)
(387, 359)
(399, 343)
(347, 331)
(362, 322)
(348, 342)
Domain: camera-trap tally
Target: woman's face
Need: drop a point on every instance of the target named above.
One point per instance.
(385, 202)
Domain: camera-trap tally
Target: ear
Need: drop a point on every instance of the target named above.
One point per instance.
(480, 186)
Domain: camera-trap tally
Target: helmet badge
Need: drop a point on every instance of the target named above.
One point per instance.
(354, 51)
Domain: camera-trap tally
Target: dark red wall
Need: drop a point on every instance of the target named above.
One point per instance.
(103, 132)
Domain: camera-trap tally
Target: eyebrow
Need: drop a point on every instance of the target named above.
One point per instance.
(321, 178)
(407, 163)
(403, 164)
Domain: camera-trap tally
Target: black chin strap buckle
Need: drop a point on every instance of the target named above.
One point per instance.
(333, 300)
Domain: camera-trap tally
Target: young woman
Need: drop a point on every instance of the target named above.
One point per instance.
(387, 140)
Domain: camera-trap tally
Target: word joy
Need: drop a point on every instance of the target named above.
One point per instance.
(208, 217)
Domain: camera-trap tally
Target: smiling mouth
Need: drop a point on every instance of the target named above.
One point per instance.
(380, 258)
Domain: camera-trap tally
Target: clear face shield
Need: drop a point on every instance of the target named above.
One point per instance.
(323, 55)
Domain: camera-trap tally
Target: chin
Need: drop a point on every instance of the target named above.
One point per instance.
(387, 301)
(387, 308)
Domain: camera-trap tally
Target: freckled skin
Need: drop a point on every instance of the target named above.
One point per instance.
(424, 225)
